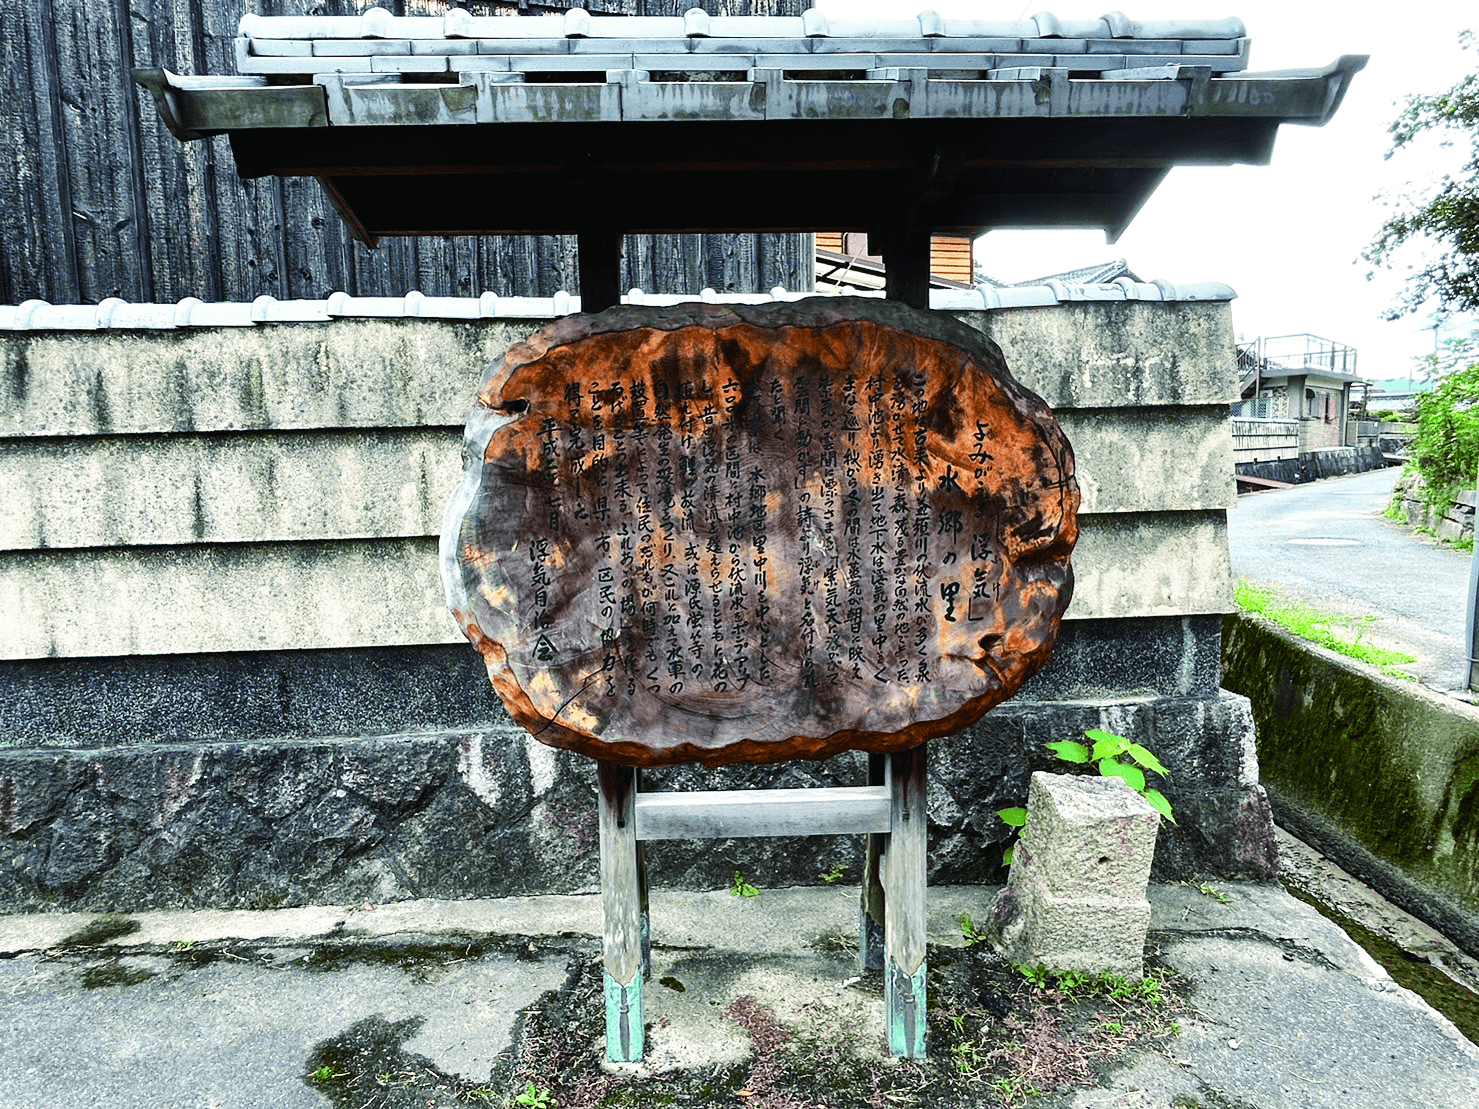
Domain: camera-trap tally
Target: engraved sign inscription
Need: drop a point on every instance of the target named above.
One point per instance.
(753, 533)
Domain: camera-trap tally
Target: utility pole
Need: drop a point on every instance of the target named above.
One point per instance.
(1471, 619)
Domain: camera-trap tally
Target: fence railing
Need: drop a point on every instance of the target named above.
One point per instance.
(1264, 440)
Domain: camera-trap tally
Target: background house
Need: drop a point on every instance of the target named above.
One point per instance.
(845, 265)
(1304, 378)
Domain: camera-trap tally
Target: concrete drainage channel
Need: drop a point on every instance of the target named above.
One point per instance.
(1417, 956)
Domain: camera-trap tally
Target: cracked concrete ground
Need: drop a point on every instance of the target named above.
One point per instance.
(228, 1008)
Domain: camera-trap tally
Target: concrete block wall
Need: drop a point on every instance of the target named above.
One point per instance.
(227, 676)
(1381, 775)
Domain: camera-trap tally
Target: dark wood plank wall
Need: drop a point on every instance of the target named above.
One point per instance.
(98, 200)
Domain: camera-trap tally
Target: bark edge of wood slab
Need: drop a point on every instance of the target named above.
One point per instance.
(754, 533)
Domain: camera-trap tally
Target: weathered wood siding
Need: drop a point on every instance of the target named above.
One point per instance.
(98, 199)
(950, 258)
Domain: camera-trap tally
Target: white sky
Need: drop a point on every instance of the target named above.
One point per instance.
(1286, 236)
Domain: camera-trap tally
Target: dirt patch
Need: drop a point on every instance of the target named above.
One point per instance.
(998, 1037)
(103, 929)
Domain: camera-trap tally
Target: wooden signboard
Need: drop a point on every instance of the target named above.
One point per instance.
(725, 534)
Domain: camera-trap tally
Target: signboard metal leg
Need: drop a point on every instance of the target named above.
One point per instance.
(621, 909)
(903, 873)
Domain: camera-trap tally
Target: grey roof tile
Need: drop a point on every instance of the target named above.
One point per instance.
(363, 48)
(265, 43)
(225, 314)
(114, 314)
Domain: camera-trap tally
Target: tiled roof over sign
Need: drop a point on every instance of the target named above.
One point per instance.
(380, 69)
(786, 123)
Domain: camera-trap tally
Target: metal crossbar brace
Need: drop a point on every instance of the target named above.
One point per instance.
(890, 810)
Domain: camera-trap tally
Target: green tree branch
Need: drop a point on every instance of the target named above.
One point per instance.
(1450, 217)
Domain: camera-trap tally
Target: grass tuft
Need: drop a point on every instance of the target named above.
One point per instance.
(1323, 628)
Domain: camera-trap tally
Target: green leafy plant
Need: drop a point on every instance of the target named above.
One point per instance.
(1037, 975)
(1116, 757)
(742, 888)
(1012, 1088)
(534, 1097)
(969, 1059)
(1207, 891)
(968, 931)
(833, 876)
(1445, 450)
(1440, 215)
(1073, 984)
(1071, 981)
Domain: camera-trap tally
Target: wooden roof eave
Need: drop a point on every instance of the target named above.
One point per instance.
(1073, 153)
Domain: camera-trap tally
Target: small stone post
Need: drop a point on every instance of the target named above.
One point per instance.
(1075, 899)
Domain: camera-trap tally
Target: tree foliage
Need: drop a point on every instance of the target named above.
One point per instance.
(1446, 447)
(1450, 217)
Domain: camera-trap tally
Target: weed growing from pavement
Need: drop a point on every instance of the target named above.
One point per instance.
(968, 934)
(997, 1038)
(1207, 891)
(534, 1097)
(742, 888)
(1014, 1033)
(1320, 627)
(1116, 757)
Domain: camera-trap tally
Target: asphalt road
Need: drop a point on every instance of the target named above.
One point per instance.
(1328, 544)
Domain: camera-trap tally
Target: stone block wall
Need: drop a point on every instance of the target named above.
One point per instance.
(1455, 522)
(227, 676)
(1314, 465)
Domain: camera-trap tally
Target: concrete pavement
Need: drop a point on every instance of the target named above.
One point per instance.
(431, 1000)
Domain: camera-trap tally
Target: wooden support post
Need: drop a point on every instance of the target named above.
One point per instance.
(621, 909)
(645, 910)
(893, 899)
(642, 892)
(872, 912)
(904, 892)
(905, 249)
(599, 250)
